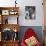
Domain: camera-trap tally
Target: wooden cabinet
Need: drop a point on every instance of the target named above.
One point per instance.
(9, 23)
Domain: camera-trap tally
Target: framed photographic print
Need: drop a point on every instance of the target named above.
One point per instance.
(30, 12)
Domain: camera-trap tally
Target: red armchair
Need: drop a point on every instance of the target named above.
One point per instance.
(28, 34)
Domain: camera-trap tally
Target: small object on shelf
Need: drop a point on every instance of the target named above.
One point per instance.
(15, 37)
(5, 12)
(15, 30)
(15, 3)
(6, 34)
(6, 21)
(13, 12)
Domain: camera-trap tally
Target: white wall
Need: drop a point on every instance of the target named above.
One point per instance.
(22, 3)
(39, 15)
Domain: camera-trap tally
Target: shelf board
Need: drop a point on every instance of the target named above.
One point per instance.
(11, 15)
(11, 26)
(7, 8)
(10, 41)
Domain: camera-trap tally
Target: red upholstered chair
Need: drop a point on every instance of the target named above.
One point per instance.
(29, 33)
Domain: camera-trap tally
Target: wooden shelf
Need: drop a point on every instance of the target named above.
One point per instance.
(5, 8)
(4, 24)
(11, 26)
(9, 43)
(4, 13)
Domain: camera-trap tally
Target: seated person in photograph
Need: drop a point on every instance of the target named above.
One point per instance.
(30, 39)
(32, 13)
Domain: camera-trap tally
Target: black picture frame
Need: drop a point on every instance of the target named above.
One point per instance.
(30, 12)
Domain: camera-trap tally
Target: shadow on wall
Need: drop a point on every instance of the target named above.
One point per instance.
(37, 29)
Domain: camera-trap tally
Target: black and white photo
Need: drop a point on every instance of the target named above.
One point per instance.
(30, 12)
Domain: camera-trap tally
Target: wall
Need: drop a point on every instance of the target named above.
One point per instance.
(39, 15)
(39, 11)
